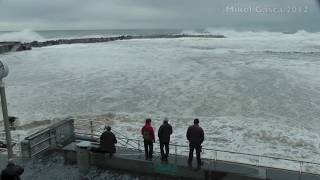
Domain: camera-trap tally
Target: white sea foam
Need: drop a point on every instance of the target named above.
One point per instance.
(248, 100)
(26, 35)
(248, 41)
(192, 32)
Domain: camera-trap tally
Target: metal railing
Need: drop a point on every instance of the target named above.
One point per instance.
(94, 129)
(52, 137)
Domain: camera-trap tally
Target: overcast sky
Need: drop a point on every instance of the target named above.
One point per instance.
(283, 15)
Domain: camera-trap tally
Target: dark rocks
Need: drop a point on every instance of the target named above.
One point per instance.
(23, 47)
(107, 39)
(17, 46)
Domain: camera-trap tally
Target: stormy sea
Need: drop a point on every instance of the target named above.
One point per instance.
(253, 91)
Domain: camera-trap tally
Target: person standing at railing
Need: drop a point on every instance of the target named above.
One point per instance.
(107, 142)
(148, 138)
(195, 136)
(164, 134)
(12, 171)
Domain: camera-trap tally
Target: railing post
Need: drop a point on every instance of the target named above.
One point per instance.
(127, 143)
(258, 161)
(83, 158)
(175, 149)
(30, 150)
(91, 129)
(175, 153)
(50, 138)
(301, 166)
(216, 155)
(19, 144)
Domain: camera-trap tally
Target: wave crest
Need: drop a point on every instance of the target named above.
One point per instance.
(247, 33)
(25, 35)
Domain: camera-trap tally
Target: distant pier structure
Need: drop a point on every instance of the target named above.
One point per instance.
(22, 46)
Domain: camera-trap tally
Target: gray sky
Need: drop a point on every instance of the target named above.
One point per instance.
(282, 15)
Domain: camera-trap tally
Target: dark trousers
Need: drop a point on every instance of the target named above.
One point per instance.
(164, 145)
(198, 151)
(148, 149)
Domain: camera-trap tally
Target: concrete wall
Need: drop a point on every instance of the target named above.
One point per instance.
(133, 162)
(4, 49)
(7, 46)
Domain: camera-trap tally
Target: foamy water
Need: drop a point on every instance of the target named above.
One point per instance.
(26, 35)
(256, 92)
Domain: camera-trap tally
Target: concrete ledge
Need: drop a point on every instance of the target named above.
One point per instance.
(133, 161)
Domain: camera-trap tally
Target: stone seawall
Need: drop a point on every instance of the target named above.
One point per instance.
(107, 39)
(18, 46)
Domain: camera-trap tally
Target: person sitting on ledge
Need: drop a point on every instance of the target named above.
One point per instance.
(12, 171)
(107, 142)
(3, 145)
(12, 121)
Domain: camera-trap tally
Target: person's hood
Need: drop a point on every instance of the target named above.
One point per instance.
(148, 124)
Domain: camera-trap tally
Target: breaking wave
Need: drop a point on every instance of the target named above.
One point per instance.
(257, 41)
(251, 34)
(300, 42)
(25, 35)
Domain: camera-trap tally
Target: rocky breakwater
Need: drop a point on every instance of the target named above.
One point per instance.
(13, 46)
(107, 39)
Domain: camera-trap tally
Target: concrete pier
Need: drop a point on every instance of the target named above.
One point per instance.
(18, 46)
(13, 46)
(115, 38)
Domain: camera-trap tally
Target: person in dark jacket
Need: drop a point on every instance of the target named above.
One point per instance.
(164, 133)
(195, 136)
(107, 142)
(148, 138)
(12, 171)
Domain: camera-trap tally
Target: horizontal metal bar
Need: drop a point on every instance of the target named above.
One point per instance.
(39, 151)
(44, 140)
(48, 129)
(34, 137)
(86, 134)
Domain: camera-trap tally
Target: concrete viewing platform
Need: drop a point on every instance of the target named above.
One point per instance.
(134, 161)
(62, 137)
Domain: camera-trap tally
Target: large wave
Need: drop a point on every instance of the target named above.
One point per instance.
(28, 35)
(251, 34)
(236, 41)
(257, 41)
(25, 35)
